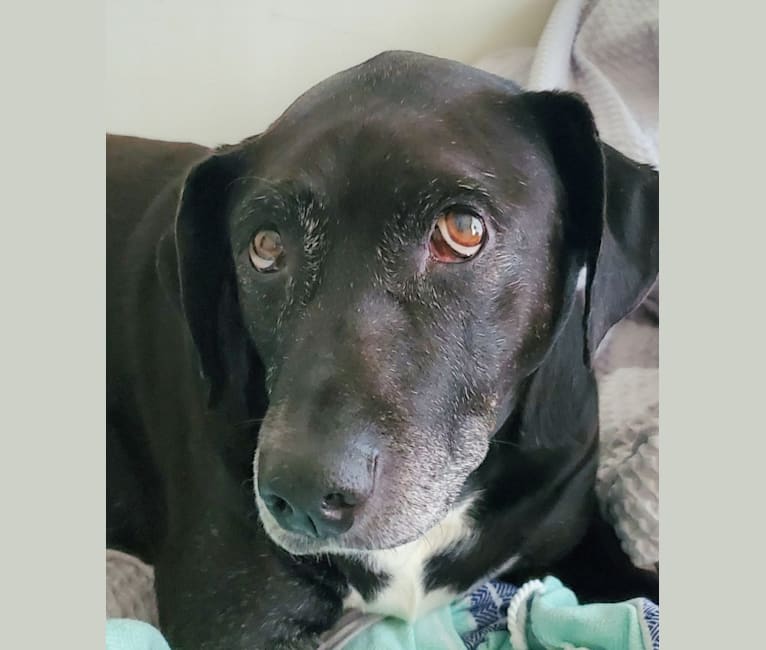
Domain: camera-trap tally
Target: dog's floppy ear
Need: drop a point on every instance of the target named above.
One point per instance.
(205, 264)
(611, 211)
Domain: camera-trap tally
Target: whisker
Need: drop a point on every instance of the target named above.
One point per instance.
(247, 423)
(504, 442)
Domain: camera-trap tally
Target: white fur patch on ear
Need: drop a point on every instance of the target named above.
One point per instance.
(405, 596)
(581, 277)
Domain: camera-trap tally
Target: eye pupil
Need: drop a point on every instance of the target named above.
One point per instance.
(266, 250)
(465, 229)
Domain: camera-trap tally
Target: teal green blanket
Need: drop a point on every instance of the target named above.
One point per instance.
(497, 616)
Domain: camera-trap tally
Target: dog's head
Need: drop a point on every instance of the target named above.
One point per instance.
(401, 248)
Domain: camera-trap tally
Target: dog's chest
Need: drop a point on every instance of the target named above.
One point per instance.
(403, 569)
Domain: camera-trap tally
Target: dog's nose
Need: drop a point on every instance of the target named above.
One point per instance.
(301, 510)
(316, 495)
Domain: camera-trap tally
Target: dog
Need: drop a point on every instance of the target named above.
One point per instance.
(348, 363)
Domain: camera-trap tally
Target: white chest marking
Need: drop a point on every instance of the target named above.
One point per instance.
(404, 595)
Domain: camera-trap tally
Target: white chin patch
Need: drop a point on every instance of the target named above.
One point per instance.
(404, 596)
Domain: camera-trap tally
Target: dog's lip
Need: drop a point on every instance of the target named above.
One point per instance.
(302, 545)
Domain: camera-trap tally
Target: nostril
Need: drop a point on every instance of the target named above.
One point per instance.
(280, 505)
(288, 516)
(337, 502)
(277, 504)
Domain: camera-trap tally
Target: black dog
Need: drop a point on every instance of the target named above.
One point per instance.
(347, 359)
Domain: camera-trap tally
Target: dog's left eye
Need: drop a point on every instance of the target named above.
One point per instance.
(457, 236)
(266, 250)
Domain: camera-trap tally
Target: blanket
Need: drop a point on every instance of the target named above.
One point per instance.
(539, 615)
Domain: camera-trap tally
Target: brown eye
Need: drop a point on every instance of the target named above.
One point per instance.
(457, 236)
(266, 250)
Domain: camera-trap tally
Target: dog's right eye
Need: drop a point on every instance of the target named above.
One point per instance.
(457, 236)
(266, 250)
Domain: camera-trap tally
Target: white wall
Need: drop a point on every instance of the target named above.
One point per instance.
(216, 72)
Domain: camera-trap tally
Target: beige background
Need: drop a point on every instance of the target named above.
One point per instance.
(216, 72)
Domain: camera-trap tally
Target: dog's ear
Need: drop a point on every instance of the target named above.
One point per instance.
(205, 265)
(611, 211)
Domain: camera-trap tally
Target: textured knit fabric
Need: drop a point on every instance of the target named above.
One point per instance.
(607, 51)
(628, 474)
(129, 588)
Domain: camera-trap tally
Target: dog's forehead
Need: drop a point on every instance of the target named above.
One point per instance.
(407, 78)
(394, 128)
(396, 108)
